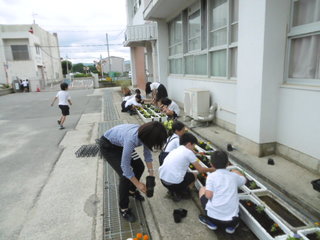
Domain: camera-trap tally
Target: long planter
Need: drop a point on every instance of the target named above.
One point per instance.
(255, 226)
(261, 187)
(303, 233)
(291, 217)
(145, 119)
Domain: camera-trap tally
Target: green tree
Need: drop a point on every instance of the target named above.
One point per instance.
(78, 68)
(64, 65)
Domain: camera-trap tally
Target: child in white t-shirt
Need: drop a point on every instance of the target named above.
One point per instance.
(173, 142)
(173, 172)
(64, 99)
(219, 197)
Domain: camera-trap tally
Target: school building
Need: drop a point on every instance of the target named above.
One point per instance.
(29, 52)
(259, 59)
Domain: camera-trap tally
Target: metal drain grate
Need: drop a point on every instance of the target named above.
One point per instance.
(114, 225)
(87, 151)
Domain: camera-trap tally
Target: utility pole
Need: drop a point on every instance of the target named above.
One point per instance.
(108, 53)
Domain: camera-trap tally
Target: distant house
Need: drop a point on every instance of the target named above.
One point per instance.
(29, 52)
(116, 64)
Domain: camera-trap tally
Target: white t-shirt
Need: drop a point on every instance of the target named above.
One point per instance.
(174, 107)
(176, 164)
(174, 142)
(126, 98)
(225, 201)
(132, 101)
(154, 85)
(63, 97)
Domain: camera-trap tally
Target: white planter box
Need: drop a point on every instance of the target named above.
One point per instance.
(305, 223)
(305, 232)
(143, 118)
(261, 188)
(255, 226)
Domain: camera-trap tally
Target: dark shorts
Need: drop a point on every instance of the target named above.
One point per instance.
(183, 186)
(231, 223)
(64, 109)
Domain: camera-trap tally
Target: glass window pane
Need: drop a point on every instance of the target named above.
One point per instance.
(235, 10)
(194, 25)
(219, 14)
(189, 65)
(20, 52)
(234, 62)
(200, 67)
(305, 58)
(194, 44)
(175, 36)
(178, 30)
(219, 63)
(218, 37)
(176, 66)
(306, 11)
(234, 33)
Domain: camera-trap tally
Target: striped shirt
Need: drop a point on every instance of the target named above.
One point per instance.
(126, 136)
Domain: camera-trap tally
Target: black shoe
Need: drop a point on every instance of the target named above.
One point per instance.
(175, 197)
(59, 122)
(137, 196)
(128, 215)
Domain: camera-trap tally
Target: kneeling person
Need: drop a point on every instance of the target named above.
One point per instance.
(173, 172)
(219, 198)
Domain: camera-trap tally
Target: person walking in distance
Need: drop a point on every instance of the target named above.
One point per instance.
(64, 98)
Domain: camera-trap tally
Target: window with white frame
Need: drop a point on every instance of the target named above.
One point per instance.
(175, 36)
(20, 52)
(223, 38)
(194, 28)
(304, 43)
(175, 46)
(218, 58)
(37, 49)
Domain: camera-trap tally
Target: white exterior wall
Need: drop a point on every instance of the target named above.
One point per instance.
(223, 93)
(299, 117)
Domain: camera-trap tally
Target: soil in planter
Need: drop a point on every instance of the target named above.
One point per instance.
(204, 159)
(312, 236)
(262, 218)
(282, 211)
(252, 185)
(202, 177)
(240, 190)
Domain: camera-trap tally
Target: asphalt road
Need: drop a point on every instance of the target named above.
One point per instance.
(29, 150)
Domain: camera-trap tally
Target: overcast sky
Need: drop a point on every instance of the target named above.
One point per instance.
(81, 25)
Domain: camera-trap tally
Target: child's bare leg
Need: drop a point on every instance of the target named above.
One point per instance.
(202, 191)
(62, 120)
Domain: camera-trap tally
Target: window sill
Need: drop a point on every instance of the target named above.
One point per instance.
(300, 87)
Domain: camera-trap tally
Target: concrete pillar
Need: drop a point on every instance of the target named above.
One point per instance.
(163, 51)
(261, 57)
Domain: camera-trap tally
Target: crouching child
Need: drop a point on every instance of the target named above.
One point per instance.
(219, 198)
(174, 173)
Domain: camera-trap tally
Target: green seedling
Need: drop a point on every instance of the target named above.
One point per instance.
(253, 185)
(259, 208)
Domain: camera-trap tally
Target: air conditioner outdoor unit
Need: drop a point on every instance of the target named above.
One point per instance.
(196, 102)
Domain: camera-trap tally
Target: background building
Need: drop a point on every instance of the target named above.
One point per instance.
(260, 60)
(115, 63)
(29, 52)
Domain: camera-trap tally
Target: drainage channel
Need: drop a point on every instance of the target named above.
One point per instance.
(115, 227)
